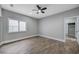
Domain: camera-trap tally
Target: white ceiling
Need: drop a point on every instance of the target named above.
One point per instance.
(26, 9)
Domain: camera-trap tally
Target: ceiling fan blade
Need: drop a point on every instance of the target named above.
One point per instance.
(42, 11)
(44, 8)
(38, 7)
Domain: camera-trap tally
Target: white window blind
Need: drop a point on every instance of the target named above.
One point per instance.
(22, 26)
(13, 25)
(16, 25)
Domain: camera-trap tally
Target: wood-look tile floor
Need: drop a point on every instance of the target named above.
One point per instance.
(35, 45)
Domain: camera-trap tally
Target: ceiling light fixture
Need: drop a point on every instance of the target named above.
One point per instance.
(40, 9)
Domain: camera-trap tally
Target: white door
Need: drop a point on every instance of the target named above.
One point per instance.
(77, 29)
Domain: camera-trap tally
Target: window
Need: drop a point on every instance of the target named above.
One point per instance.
(16, 25)
(22, 26)
(13, 25)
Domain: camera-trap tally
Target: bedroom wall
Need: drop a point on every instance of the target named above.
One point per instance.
(53, 26)
(31, 25)
(0, 25)
(0, 28)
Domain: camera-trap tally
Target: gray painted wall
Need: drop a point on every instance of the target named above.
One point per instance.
(31, 25)
(0, 25)
(53, 26)
(0, 28)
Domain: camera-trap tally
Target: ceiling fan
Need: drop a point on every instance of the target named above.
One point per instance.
(40, 9)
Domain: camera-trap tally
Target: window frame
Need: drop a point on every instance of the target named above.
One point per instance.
(25, 29)
(18, 26)
(9, 26)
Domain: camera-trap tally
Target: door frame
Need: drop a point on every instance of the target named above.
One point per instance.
(1, 29)
(65, 25)
(77, 30)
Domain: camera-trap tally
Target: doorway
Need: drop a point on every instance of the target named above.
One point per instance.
(70, 28)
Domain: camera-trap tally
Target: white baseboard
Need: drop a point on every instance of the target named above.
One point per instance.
(8, 41)
(52, 38)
